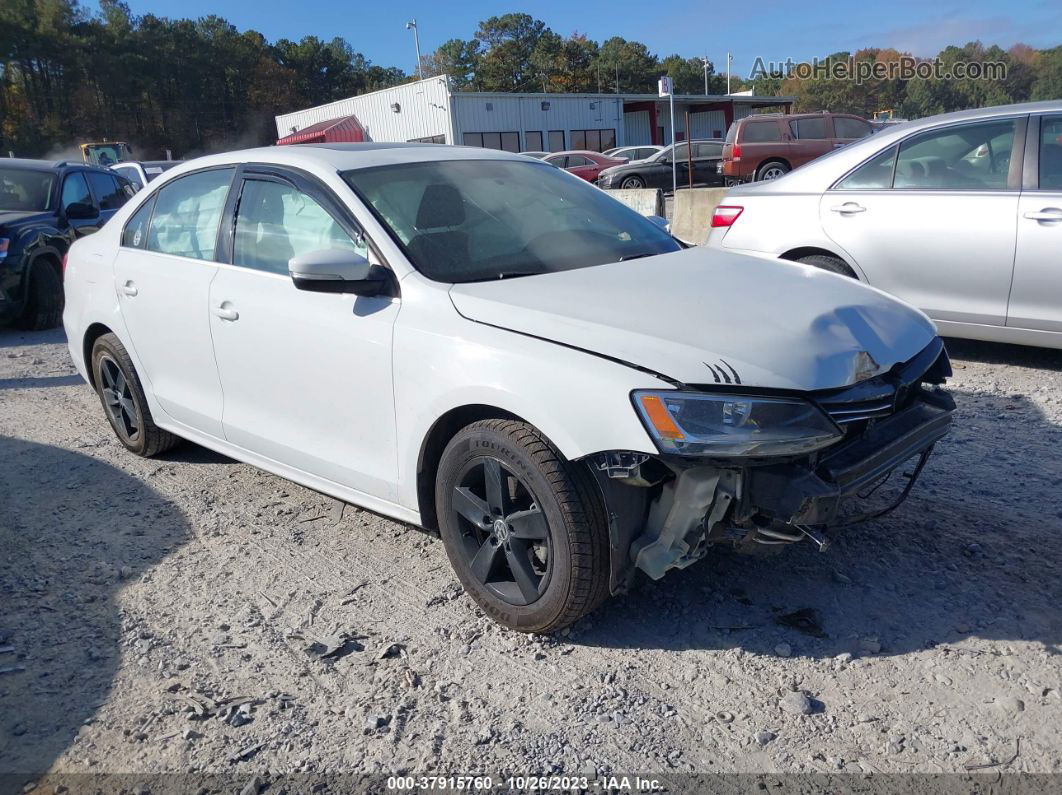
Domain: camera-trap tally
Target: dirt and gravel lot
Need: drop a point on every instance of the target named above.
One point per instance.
(190, 613)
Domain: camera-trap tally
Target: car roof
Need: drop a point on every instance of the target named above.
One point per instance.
(30, 164)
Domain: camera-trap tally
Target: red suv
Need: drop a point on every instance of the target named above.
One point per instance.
(768, 146)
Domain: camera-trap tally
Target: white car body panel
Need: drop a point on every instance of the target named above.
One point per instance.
(632, 311)
(339, 393)
(972, 260)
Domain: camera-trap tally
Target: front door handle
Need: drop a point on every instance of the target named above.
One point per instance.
(848, 208)
(128, 288)
(226, 312)
(1046, 214)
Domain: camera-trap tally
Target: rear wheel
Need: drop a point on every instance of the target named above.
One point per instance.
(124, 403)
(44, 299)
(772, 170)
(523, 527)
(632, 183)
(828, 263)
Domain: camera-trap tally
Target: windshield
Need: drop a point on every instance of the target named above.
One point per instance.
(476, 220)
(23, 189)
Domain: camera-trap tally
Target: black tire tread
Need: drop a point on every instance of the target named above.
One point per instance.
(828, 263)
(44, 298)
(584, 512)
(155, 439)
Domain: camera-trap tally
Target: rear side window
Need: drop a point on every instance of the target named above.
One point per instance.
(876, 174)
(108, 191)
(844, 127)
(1051, 153)
(131, 174)
(277, 222)
(76, 190)
(708, 150)
(761, 132)
(188, 213)
(804, 129)
(135, 233)
(962, 157)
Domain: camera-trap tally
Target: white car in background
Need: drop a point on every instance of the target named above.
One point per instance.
(479, 343)
(141, 172)
(960, 215)
(633, 153)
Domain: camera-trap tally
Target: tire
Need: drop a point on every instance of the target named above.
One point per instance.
(771, 170)
(828, 263)
(552, 527)
(632, 182)
(44, 298)
(123, 400)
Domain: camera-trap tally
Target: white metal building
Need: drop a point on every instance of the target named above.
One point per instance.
(428, 110)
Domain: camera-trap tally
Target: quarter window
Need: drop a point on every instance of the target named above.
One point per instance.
(1051, 153)
(278, 222)
(761, 131)
(76, 190)
(964, 157)
(875, 174)
(135, 233)
(187, 214)
(808, 129)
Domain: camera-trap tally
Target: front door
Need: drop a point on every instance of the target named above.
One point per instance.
(75, 196)
(932, 220)
(306, 375)
(162, 276)
(1036, 297)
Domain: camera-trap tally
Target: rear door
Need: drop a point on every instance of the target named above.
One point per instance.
(932, 219)
(582, 167)
(706, 158)
(811, 138)
(167, 259)
(1036, 296)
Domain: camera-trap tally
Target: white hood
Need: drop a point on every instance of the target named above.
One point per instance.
(703, 316)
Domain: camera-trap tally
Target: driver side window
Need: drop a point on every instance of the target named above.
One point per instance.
(76, 190)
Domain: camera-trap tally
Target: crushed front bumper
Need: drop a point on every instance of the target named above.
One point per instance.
(814, 494)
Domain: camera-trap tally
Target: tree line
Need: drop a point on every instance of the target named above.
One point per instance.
(69, 75)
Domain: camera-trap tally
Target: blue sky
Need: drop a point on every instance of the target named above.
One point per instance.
(766, 28)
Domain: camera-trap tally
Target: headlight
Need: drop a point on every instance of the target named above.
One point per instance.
(701, 424)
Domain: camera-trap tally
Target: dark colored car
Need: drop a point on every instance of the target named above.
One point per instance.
(770, 145)
(44, 207)
(655, 172)
(583, 163)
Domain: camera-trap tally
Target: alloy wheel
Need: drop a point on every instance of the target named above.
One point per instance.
(505, 537)
(774, 172)
(118, 399)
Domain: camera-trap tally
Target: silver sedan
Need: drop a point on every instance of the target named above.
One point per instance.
(959, 214)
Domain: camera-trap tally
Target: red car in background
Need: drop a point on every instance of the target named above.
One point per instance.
(583, 163)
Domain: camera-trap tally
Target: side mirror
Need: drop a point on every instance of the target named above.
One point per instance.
(663, 223)
(334, 270)
(79, 211)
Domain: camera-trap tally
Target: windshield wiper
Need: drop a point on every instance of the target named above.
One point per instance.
(635, 256)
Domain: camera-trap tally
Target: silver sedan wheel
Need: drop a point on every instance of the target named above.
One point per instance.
(118, 400)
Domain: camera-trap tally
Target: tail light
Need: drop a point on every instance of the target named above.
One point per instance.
(735, 152)
(725, 215)
(63, 271)
(4, 243)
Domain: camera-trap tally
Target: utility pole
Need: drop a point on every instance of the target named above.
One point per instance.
(412, 25)
(706, 62)
(729, 60)
(664, 88)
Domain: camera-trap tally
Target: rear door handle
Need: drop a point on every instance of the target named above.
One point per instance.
(226, 312)
(848, 208)
(1046, 214)
(128, 288)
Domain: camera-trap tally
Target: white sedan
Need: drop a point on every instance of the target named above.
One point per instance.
(959, 214)
(479, 343)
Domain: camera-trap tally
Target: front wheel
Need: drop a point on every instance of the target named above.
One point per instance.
(524, 528)
(632, 183)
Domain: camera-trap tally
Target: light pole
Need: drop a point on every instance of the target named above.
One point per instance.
(706, 62)
(412, 24)
(729, 60)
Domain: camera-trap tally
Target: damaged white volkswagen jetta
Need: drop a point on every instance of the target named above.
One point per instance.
(481, 344)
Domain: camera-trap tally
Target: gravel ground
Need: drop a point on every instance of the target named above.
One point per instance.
(190, 613)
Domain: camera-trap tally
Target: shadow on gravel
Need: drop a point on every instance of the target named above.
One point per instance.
(974, 552)
(1001, 353)
(73, 532)
(15, 338)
